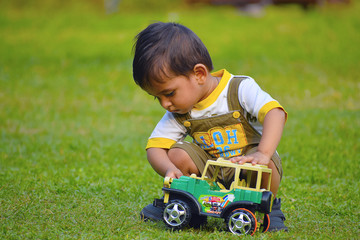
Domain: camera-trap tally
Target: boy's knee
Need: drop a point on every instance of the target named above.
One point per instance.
(181, 159)
(272, 165)
(178, 156)
(275, 170)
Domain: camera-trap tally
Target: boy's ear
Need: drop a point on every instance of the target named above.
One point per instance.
(201, 73)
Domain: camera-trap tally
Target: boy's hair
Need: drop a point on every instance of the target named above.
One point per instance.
(167, 49)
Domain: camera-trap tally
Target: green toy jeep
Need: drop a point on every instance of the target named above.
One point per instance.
(244, 204)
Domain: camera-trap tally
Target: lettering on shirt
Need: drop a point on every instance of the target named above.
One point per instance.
(222, 142)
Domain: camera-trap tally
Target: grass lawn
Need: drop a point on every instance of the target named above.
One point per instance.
(73, 124)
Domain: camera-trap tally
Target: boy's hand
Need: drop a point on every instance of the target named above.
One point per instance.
(173, 173)
(273, 127)
(254, 158)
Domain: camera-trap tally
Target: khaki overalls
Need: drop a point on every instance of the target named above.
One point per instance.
(227, 135)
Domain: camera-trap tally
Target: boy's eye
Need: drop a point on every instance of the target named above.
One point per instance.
(170, 94)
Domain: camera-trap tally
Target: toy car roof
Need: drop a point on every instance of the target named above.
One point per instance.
(221, 162)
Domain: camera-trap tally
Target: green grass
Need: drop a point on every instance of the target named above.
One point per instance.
(74, 125)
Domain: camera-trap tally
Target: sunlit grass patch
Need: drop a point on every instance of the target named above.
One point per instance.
(73, 124)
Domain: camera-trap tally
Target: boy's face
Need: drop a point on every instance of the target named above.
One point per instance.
(177, 94)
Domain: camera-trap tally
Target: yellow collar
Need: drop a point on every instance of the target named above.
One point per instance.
(225, 77)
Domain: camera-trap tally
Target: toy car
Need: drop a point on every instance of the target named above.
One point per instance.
(244, 205)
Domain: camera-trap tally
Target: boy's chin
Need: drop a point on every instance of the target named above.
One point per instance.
(180, 111)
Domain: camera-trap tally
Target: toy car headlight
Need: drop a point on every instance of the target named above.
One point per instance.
(167, 182)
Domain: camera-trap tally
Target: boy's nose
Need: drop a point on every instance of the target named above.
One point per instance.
(166, 104)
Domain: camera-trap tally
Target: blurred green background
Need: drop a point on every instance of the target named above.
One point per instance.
(74, 125)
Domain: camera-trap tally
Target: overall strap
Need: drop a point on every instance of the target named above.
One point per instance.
(181, 118)
(233, 99)
(252, 135)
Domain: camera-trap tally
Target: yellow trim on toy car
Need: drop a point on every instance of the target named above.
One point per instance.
(260, 169)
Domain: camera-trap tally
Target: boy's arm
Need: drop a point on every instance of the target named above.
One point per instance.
(159, 160)
(272, 131)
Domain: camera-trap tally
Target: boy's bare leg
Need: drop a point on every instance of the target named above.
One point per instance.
(275, 179)
(277, 217)
(182, 161)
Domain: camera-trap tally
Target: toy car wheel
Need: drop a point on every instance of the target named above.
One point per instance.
(265, 224)
(197, 220)
(177, 214)
(241, 222)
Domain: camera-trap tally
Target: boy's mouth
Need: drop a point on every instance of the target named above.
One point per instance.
(172, 109)
(176, 111)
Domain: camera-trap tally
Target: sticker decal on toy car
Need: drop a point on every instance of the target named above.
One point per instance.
(215, 204)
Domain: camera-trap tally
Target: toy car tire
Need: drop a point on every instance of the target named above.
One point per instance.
(197, 221)
(177, 214)
(241, 222)
(266, 223)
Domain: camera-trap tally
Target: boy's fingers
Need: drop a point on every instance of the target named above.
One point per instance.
(170, 175)
(173, 175)
(235, 159)
(254, 162)
(242, 159)
(178, 175)
(246, 159)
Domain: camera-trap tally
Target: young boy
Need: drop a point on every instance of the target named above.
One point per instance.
(227, 116)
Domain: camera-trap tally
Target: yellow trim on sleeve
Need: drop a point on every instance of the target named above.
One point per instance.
(160, 143)
(225, 77)
(267, 107)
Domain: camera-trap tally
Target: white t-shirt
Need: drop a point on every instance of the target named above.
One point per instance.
(252, 98)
